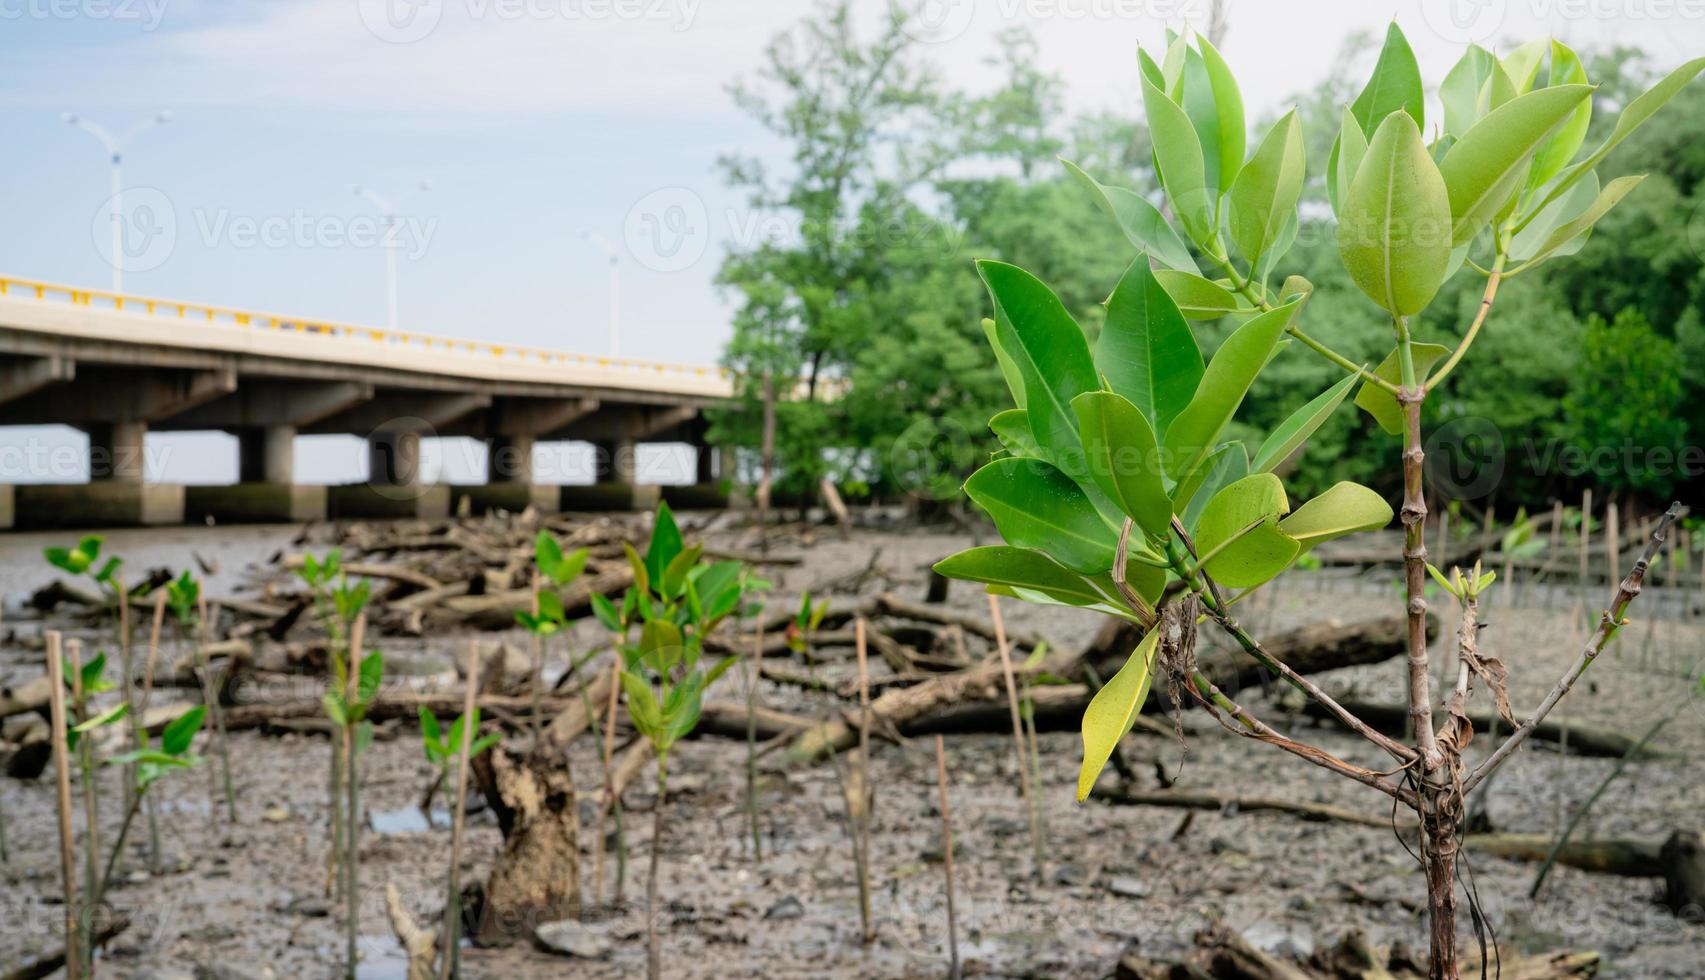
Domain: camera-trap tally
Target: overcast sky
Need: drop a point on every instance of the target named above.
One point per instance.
(537, 121)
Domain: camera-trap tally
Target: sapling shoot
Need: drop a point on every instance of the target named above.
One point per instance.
(678, 600)
(183, 595)
(1119, 474)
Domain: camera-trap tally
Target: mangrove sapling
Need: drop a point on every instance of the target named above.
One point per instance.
(150, 764)
(82, 686)
(462, 742)
(862, 799)
(442, 749)
(346, 705)
(676, 601)
(58, 735)
(205, 623)
(184, 596)
(158, 622)
(320, 574)
(1118, 474)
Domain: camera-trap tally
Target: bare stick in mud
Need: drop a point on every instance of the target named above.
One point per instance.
(752, 742)
(866, 792)
(947, 856)
(213, 705)
(453, 880)
(1018, 746)
(62, 787)
(86, 770)
(148, 665)
(352, 798)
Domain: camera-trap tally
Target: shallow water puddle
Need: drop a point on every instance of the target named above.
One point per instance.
(407, 820)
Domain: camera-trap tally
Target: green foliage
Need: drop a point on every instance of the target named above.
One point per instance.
(1134, 461)
(173, 752)
(443, 748)
(663, 679)
(560, 570)
(183, 597)
(1623, 398)
(80, 559)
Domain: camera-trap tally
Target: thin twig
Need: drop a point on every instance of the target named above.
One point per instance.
(947, 856)
(62, 787)
(1018, 746)
(1609, 623)
(453, 895)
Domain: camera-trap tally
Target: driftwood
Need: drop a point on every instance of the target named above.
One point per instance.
(31, 696)
(1126, 795)
(536, 877)
(1571, 736)
(1221, 954)
(1678, 859)
(419, 942)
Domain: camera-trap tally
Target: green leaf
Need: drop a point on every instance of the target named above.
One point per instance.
(1178, 156)
(642, 705)
(1238, 536)
(430, 732)
(1228, 108)
(1012, 428)
(1196, 431)
(1142, 223)
(369, 677)
(1394, 85)
(1198, 298)
(641, 574)
(546, 552)
(1113, 711)
(1294, 431)
(550, 606)
(1146, 351)
(1561, 146)
(1036, 506)
(1522, 64)
(606, 612)
(1225, 466)
(104, 718)
(665, 543)
(1265, 196)
(483, 743)
(1394, 232)
(1382, 404)
(1572, 231)
(335, 709)
(1525, 244)
(1009, 370)
(1019, 568)
(1196, 96)
(1346, 508)
(1347, 156)
(1487, 165)
(675, 573)
(1048, 348)
(1461, 88)
(660, 645)
(175, 739)
(1636, 113)
(1124, 458)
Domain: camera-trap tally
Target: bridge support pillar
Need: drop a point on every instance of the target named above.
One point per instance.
(509, 459)
(267, 455)
(115, 451)
(613, 461)
(393, 458)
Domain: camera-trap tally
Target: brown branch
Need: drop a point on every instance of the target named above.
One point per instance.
(1609, 623)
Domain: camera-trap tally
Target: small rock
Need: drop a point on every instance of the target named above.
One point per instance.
(1220, 845)
(277, 814)
(578, 939)
(1069, 875)
(313, 908)
(164, 973)
(787, 908)
(1125, 886)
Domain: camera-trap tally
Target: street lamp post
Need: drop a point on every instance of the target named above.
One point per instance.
(114, 145)
(604, 245)
(389, 212)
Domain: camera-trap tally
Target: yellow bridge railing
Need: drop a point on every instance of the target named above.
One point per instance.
(255, 319)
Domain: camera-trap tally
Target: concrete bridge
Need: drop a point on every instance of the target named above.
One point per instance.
(117, 367)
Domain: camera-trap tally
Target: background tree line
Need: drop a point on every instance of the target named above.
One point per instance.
(896, 182)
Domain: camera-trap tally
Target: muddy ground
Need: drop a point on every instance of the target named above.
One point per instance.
(249, 900)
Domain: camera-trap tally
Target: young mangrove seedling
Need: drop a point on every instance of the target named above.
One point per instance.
(678, 600)
(1120, 473)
